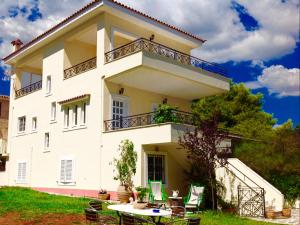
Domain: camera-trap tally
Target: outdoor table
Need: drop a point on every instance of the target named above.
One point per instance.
(175, 201)
(127, 208)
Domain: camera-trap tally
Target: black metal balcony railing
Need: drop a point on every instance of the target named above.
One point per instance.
(159, 49)
(146, 119)
(28, 89)
(80, 68)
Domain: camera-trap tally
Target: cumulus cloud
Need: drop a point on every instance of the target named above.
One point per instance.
(279, 81)
(227, 37)
(15, 15)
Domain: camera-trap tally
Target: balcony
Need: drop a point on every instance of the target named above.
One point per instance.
(28, 89)
(80, 68)
(161, 50)
(146, 119)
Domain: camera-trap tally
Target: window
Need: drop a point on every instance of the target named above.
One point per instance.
(67, 171)
(48, 85)
(119, 111)
(34, 124)
(66, 117)
(75, 122)
(156, 168)
(21, 123)
(21, 173)
(53, 111)
(47, 140)
(83, 113)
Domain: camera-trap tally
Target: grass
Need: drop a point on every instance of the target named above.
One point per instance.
(31, 204)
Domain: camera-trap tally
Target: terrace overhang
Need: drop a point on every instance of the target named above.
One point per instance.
(158, 74)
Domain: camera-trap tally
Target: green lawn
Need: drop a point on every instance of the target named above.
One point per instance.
(31, 204)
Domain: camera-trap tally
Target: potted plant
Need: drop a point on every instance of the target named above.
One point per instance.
(141, 198)
(287, 207)
(269, 212)
(165, 113)
(103, 195)
(125, 169)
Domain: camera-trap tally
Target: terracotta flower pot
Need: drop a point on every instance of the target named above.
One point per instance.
(286, 212)
(123, 194)
(103, 196)
(270, 214)
(140, 205)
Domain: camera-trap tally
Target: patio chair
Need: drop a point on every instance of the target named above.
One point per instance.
(157, 192)
(194, 198)
(128, 219)
(96, 205)
(91, 216)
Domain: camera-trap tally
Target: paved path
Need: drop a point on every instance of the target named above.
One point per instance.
(294, 220)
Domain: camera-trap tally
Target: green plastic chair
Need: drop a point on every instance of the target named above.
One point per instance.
(194, 198)
(157, 192)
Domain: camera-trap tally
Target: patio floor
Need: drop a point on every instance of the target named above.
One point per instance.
(294, 220)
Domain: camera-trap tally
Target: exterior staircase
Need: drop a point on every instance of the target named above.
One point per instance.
(250, 192)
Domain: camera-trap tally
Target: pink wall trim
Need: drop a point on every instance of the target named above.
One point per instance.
(75, 192)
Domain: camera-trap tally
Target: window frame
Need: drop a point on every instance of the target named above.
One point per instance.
(61, 181)
(21, 181)
(165, 154)
(23, 125)
(46, 141)
(34, 128)
(53, 113)
(48, 84)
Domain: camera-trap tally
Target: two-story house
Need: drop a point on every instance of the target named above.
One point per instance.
(90, 82)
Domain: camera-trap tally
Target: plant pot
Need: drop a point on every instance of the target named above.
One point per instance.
(103, 196)
(140, 205)
(270, 214)
(123, 194)
(230, 210)
(286, 212)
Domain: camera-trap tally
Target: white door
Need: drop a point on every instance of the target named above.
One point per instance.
(119, 112)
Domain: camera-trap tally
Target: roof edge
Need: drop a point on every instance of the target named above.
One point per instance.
(86, 8)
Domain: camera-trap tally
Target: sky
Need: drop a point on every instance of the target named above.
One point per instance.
(256, 41)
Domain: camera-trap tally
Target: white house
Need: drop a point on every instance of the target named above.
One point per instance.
(90, 82)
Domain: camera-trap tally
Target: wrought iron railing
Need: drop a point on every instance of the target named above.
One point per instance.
(143, 44)
(28, 89)
(80, 68)
(147, 119)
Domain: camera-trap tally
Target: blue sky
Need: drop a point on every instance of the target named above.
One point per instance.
(249, 40)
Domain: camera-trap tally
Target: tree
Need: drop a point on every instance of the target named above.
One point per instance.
(240, 112)
(276, 160)
(202, 145)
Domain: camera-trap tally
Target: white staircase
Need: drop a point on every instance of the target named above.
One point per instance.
(242, 183)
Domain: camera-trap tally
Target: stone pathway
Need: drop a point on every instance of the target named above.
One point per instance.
(294, 220)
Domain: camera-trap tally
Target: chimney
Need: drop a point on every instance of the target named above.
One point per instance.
(16, 44)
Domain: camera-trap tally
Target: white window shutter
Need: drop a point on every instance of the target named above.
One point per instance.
(62, 170)
(21, 175)
(69, 171)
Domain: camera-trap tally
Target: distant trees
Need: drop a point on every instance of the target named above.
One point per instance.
(276, 152)
(240, 112)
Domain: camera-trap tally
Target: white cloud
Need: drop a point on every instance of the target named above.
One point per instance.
(220, 25)
(215, 21)
(12, 28)
(279, 81)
